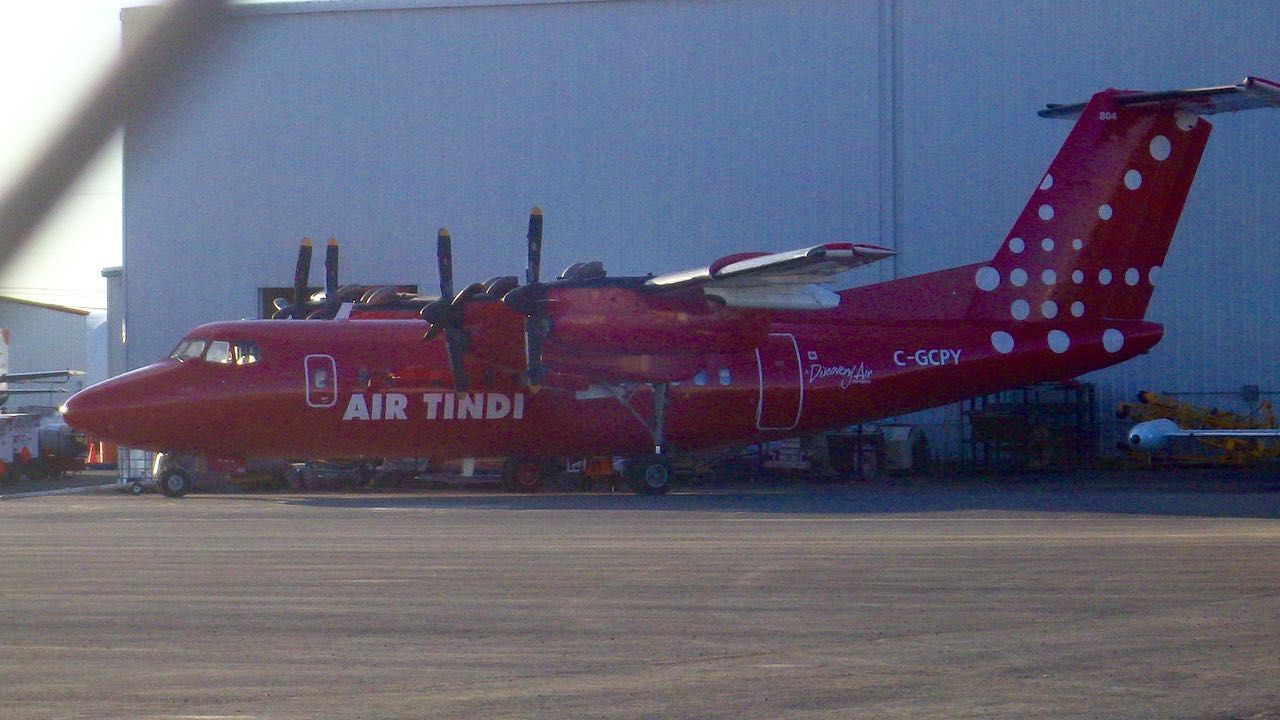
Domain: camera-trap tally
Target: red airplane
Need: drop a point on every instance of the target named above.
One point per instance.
(751, 348)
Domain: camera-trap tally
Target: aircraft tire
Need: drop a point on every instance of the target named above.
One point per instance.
(175, 483)
(521, 476)
(649, 475)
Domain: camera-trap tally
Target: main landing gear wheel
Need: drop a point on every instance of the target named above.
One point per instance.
(649, 475)
(175, 483)
(521, 476)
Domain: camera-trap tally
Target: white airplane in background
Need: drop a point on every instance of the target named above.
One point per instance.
(1158, 434)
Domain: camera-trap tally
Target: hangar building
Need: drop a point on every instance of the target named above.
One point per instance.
(40, 336)
(661, 134)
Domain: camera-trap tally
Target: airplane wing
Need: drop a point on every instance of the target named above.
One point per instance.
(1252, 92)
(37, 376)
(790, 280)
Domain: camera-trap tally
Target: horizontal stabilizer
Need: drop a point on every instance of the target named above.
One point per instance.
(1248, 94)
(785, 280)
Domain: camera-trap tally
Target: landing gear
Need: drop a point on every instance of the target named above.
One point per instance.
(649, 475)
(175, 482)
(521, 476)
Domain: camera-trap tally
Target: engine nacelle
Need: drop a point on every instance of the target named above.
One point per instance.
(616, 320)
(1153, 435)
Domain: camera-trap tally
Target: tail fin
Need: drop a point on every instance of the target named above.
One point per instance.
(1092, 238)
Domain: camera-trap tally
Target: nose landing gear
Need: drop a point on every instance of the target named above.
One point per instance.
(649, 474)
(175, 482)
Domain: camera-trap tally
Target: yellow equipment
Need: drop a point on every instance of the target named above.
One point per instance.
(1212, 450)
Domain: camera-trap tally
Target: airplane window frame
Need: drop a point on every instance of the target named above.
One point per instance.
(245, 352)
(223, 347)
(189, 349)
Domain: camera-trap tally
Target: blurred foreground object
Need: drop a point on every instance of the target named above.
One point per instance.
(143, 73)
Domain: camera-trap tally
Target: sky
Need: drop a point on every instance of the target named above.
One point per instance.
(51, 53)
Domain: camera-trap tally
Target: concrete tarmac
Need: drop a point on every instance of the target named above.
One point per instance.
(983, 601)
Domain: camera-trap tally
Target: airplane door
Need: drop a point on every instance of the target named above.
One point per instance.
(322, 381)
(781, 383)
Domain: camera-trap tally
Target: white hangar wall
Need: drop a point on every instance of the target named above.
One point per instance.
(661, 134)
(43, 337)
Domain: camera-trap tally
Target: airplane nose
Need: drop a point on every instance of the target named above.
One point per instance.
(89, 412)
(117, 410)
(149, 409)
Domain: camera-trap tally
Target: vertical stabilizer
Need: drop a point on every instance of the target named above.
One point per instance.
(1090, 242)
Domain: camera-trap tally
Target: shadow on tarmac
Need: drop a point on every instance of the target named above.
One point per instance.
(1179, 495)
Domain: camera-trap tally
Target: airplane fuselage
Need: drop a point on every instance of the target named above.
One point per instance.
(373, 388)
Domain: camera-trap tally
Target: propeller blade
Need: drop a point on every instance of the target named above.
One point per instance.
(301, 274)
(535, 246)
(444, 262)
(455, 343)
(331, 275)
(446, 315)
(534, 331)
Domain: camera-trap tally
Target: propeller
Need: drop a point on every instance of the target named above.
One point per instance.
(331, 301)
(436, 312)
(446, 313)
(531, 301)
(309, 306)
(284, 308)
(534, 237)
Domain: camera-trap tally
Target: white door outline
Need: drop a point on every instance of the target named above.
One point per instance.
(321, 373)
(760, 364)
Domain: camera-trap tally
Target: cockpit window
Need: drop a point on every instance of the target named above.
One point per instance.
(188, 349)
(222, 352)
(244, 353)
(219, 352)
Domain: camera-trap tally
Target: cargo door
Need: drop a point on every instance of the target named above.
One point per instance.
(781, 383)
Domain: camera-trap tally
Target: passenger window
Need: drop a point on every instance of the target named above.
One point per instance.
(726, 377)
(219, 352)
(701, 378)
